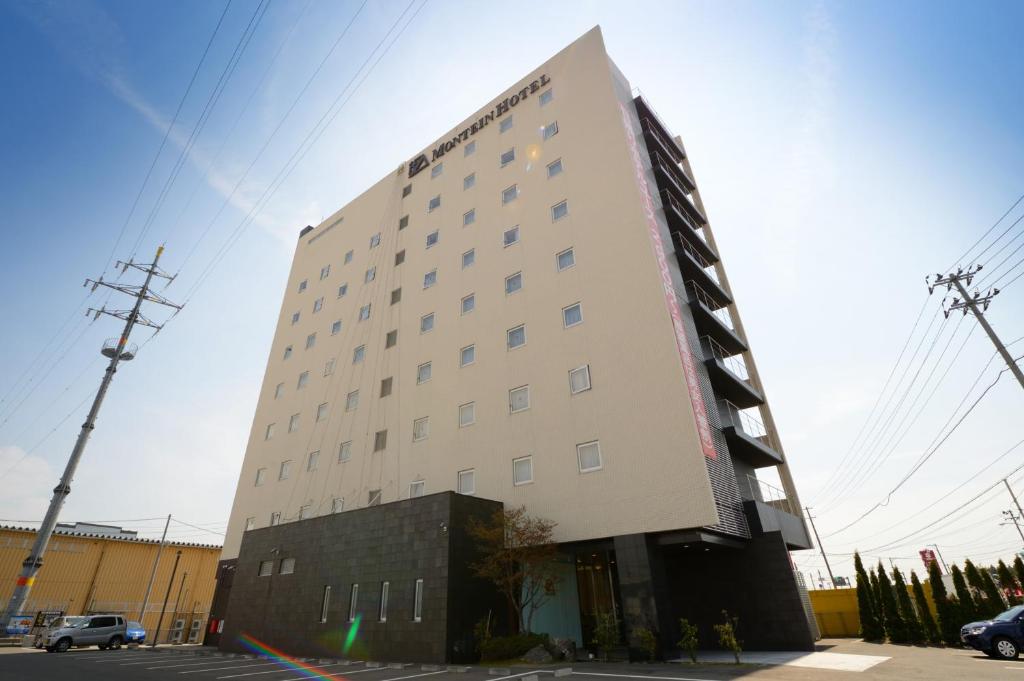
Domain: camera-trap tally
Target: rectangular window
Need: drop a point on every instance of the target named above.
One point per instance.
(468, 258)
(359, 354)
(370, 275)
(399, 257)
(278, 391)
(261, 476)
(295, 318)
(288, 352)
(266, 568)
(391, 339)
(589, 456)
(565, 259)
(342, 290)
(380, 440)
(364, 313)
(433, 238)
(436, 170)
(275, 518)
(385, 386)
(396, 296)
(546, 97)
(469, 181)
(352, 401)
(434, 204)
(469, 149)
(336, 327)
(510, 236)
(579, 379)
(572, 315)
(554, 168)
(288, 564)
(469, 217)
(329, 367)
(467, 414)
(508, 156)
(430, 278)
(417, 601)
(559, 210)
(303, 284)
(375, 240)
(519, 399)
(513, 283)
(421, 429)
(467, 355)
(303, 380)
(406, 190)
(469, 303)
(310, 340)
(383, 612)
(325, 603)
(416, 489)
(423, 372)
(467, 482)
(321, 412)
(313, 461)
(293, 423)
(506, 124)
(516, 337)
(403, 222)
(426, 322)
(285, 471)
(270, 432)
(318, 304)
(324, 272)
(522, 470)
(337, 505)
(348, 257)
(344, 451)
(353, 598)
(550, 130)
(250, 523)
(373, 498)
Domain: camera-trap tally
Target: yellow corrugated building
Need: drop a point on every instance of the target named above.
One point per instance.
(837, 612)
(102, 571)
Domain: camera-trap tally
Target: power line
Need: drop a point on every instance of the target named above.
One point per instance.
(987, 232)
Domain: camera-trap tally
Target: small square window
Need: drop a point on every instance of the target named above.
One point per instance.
(359, 354)
(468, 303)
(348, 257)
(375, 240)
(589, 456)
(434, 203)
(313, 461)
(406, 190)
(522, 470)
(559, 210)
(421, 429)
(423, 372)
(295, 318)
(565, 259)
(426, 322)
(275, 518)
(467, 414)
(342, 290)
(516, 337)
(329, 367)
(513, 283)
(430, 278)
(364, 313)
(373, 498)
(352, 401)
(391, 339)
(303, 380)
(546, 97)
(416, 489)
(510, 236)
(288, 352)
(436, 170)
(278, 391)
(399, 257)
(344, 451)
(396, 296)
(433, 238)
(579, 379)
(371, 274)
(337, 505)
(353, 599)
(322, 412)
(310, 340)
(572, 315)
(325, 271)
(549, 130)
(469, 217)
(467, 355)
(469, 181)
(506, 124)
(305, 511)
(266, 568)
(403, 222)
(250, 523)
(519, 399)
(380, 440)
(336, 327)
(467, 482)
(285, 471)
(303, 284)
(293, 423)
(508, 156)
(385, 386)
(269, 432)
(261, 476)
(469, 149)
(554, 168)
(318, 304)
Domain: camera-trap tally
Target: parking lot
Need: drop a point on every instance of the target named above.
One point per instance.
(838, 659)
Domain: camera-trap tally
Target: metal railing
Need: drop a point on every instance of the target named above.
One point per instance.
(676, 174)
(745, 420)
(708, 301)
(651, 128)
(759, 490)
(708, 268)
(734, 363)
(672, 201)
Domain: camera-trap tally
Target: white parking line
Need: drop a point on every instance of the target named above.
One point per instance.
(511, 676)
(637, 676)
(164, 665)
(151, 660)
(358, 671)
(217, 669)
(278, 671)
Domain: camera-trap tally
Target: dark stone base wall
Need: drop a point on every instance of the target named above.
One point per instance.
(219, 605)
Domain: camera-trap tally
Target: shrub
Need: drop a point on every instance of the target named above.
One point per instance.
(727, 635)
(647, 642)
(606, 633)
(688, 642)
(510, 647)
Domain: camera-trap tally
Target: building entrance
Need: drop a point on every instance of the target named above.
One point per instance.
(597, 582)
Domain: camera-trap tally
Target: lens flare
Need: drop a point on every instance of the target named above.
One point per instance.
(287, 662)
(353, 630)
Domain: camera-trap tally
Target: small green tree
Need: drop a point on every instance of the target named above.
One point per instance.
(647, 642)
(931, 631)
(876, 598)
(987, 600)
(727, 637)
(1008, 582)
(946, 608)
(870, 628)
(915, 633)
(689, 642)
(895, 626)
(1018, 570)
(992, 593)
(968, 606)
(606, 634)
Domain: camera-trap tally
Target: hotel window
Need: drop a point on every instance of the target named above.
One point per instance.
(375, 240)
(344, 451)
(522, 470)
(417, 601)
(318, 304)
(550, 130)
(279, 390)
(303, 284)
(508, 156)
(469, 149)
(385, 386)
(288, 352)
(342, 290)
(469, 217)
(348, 257)
(430, 278)
(358, 354)
(467, 414)
(565, 259)
(261, 476)
(321, 411)
(416, 489)
(572, 315)
(288, 564)
(579, 379)
(270, 432)
(436, 170)
(275, 518)
(391, 339)
(304, 512)
(468, 258)
(325, 602)
(469, 303)
(467, 355)
(513, 283)
(396, 296)
(310, 340)
(364, 313)
(421, 429)
(329, 367)
(373, 497)
(427, 322)
(383, 612)
(510, 236)
(293, 423)
(506, 124)
(399, 257)
(516, 337)
(519, 399)
(467, 482)
(559, 211)
(403, 222)
(433, 238)
(325, 272)
(312, 461)
(285, 471)
(352, 401)
(370, 275)
(546, 97)
(469, 181)
(434, 203)
(589, 456)
(406, 190)
(250, 523)
(303, 380)
(554, 168)
(423, 372)
(336, 327)
(353, 598)
(295, 318)
(380, 440)
(337, 504)
(266, 568)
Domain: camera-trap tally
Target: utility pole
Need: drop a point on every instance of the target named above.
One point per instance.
(820, 547)
(1013, 518)
(117, 351)
(177, 601)
(152, 574)
(1016, 503)
(941, 561)
(976, 304)
(167, 597)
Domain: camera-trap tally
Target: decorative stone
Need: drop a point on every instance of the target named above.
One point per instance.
(538, 655)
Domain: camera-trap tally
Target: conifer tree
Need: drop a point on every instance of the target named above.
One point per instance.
(947, 609)
(870, 627)
(931, 630)
(915, 634)
(996, 604)
(1008, 582)
(987, 605)
(1018, 570)
(895, 626)
(968, 607)
(876, 599)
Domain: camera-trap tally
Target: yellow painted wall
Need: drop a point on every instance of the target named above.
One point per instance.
(83, 574)
(837, 612)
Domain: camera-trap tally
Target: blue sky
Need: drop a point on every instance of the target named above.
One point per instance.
(844, 150)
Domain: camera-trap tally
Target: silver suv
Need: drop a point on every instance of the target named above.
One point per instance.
(105, 631)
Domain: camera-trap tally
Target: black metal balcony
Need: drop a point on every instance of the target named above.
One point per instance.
(729, 376)
(661, 143)
(712, 319)
(669, 177)
(680, 221)
(769, 509)
(695, 267)
(645, 111)
(747, 436)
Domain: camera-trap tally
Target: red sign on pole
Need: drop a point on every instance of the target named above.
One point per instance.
(927, 557)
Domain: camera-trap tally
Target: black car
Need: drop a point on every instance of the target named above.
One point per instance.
(1001, 636)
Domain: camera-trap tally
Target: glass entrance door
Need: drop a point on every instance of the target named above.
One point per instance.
(598, 584)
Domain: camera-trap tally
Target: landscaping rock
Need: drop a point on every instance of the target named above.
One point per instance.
(538, 655)
(566, 647)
